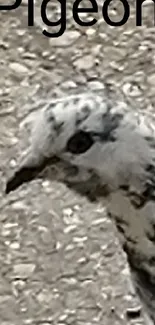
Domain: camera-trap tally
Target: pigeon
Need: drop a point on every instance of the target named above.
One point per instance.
(102, 148)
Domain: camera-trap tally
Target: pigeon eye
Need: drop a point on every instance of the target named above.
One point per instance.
(79, 143)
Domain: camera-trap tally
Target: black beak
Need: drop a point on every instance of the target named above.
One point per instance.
(28, 171)
(23, 175)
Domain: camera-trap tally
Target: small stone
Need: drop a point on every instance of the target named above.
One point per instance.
(15, 245)
(4, 45)
(23, 271)
(13, 163)
(63, 317)
(7, 242)
(45, 296)
(116, 66)
(113, 309)
(21, 32)
(80, 239)
(90, 31)
(69, 84)
(58, 245)
(69, 229)
(5, 232)
(82, 260)
(68, 212)
(19, 284)
(67, 39)
(126, 271)
(85, 63)
(151, 79)
(19, 206)
(20, 50)
(131, 90)
(18, 68)
(47, 186)
(45, 54)
(128, 298)
(29, 55)
(70, 281)
(98, 221)
(96, 85)
(14, 140)
(69, 247)
(29, 321)
(96, 50)
(10, 225)
(76, 207)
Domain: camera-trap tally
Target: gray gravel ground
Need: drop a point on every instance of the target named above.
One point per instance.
(60, 261)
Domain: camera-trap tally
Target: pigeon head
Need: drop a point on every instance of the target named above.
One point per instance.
(89, 141)
(101, 148)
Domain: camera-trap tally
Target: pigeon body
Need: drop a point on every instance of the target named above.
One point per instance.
(105, 150)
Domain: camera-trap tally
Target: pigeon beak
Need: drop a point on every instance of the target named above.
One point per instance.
(29, 170)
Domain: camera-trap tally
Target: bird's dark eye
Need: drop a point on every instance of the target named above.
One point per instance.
(79, 143)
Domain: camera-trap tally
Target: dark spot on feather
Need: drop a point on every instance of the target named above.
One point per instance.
(110, 122)
(82, 115)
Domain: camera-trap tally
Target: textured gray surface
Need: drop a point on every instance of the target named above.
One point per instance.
(60, 260)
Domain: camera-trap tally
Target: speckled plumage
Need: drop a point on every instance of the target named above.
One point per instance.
(117, 168)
